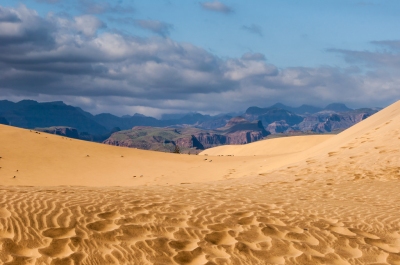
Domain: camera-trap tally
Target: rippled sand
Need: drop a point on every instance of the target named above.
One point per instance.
(334, 202)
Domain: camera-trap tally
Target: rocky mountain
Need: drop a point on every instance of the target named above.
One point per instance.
(335, 117)
(272, 114)
(31, 114)
(337, 107)
(237, 131)
(324, 122)
(303, 109)
(278, 127)
(277, 119)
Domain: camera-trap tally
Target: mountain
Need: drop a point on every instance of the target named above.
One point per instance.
(303, 109)
(270, 115)
(277, 119)
(31, 114)
(4, 121)
(324, 122)
(110, 121)
(306, 109)
(237, 131)
(337, 107)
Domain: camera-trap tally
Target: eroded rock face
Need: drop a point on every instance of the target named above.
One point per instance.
(206, 140)
(270, 115)
(330, 122)
(278, 127)
(237, 131)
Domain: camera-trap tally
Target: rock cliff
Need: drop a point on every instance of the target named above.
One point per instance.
(237, 131)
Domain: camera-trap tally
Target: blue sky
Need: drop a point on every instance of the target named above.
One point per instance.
(319, 51)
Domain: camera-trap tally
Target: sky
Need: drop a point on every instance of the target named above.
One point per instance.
(175, 56)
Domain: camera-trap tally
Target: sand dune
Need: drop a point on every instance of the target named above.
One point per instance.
(270, 147)
(314, 201)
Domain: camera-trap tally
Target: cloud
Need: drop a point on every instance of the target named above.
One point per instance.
(253, 56)
(67, 58)
(388, 57)
(24, 26)
(101, 7)
(158, 27)
(254, 29)
(216, 6)
(48, 1)
(88, 24)
(8, 15)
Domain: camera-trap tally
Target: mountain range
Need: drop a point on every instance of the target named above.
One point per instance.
(60, 118)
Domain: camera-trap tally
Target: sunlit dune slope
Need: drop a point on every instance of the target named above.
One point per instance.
(369, 149)
(31, 158)
(269, 147)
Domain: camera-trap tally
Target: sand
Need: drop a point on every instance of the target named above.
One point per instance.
(298, 200)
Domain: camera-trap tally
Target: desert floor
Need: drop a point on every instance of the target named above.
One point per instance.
(331, 199)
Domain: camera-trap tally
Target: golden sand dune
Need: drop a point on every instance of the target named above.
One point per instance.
(336, 202)
(269, 147)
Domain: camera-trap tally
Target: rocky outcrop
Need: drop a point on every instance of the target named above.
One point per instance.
(241, 131)
(64, 131)
(332, 122)
(270, 115)
(206, 140)
(278, 127)
(237, 131)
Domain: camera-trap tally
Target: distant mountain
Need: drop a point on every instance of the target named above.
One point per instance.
(337, 107)
(272, 114)
(237, 131)
(4, 121)
(303, 109)
(110, 121)
(308, 109)
(55, 117)
(334, 122)
(31, 114)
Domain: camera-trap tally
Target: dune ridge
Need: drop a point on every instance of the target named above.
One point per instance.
(334, 202)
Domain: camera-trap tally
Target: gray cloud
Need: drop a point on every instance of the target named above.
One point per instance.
(124, 74)
(389, 57)
(392, 44)
(216, 6)
(254, 29)
(253, 56)
(156, 26)
(7, 15)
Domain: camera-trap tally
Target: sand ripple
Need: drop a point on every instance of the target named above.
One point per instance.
(202, 224)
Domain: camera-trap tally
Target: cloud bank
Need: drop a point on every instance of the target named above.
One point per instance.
(62, 58)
